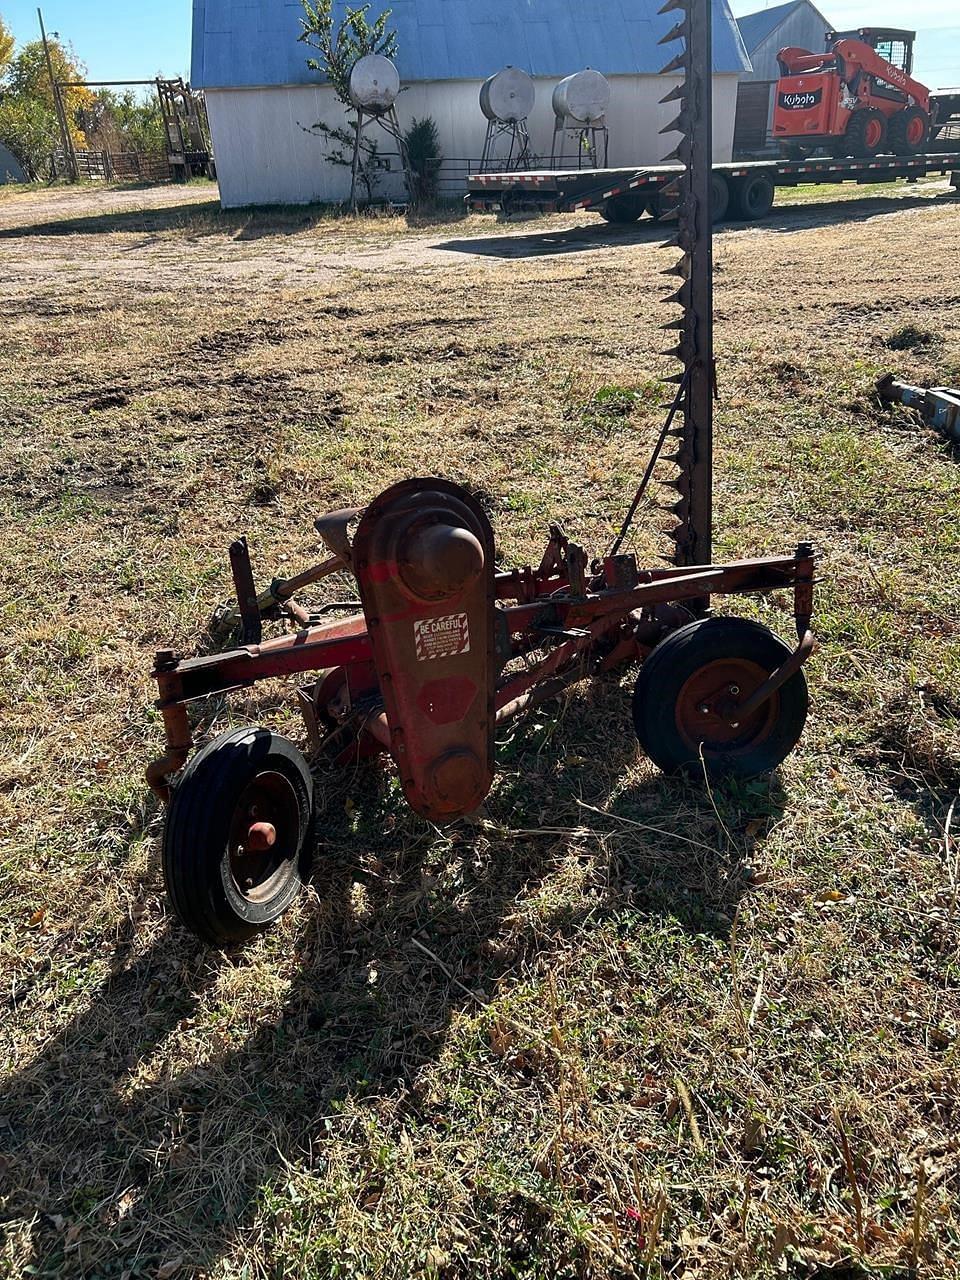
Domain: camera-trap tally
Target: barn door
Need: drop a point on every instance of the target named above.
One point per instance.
(753, 109)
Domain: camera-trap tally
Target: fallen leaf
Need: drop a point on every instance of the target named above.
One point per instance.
(36, 917)
(831, 895)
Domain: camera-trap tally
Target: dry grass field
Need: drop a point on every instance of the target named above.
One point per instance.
(616, 1026)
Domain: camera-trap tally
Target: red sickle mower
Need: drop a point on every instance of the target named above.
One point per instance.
(442, 647)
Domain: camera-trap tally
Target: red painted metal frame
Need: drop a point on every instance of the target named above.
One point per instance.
(584, 625)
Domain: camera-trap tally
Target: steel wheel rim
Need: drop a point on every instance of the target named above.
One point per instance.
(873, 133)
(268, 801)
(712, 686)
(915, 129)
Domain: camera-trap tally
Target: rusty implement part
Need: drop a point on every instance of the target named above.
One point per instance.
(283, 589)
(424, 559)
(777, 679)
(246, 592)
(245, 618)
(176, 724)
(334, 529)
(693, 485)
(938, 406)
(334, 707)
(805, 560)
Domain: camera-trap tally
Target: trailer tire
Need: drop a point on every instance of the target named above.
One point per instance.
(219, 890)
(753, 197)
(622, 210)
(695, 666)
(866, 134)
(907, 131)
(658, 204)
(719, 197)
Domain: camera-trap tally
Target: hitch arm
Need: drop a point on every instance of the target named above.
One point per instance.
(802, 612)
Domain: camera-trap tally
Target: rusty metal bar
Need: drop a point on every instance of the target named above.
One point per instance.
(176, 724)
(775, 680)
(246, 591)
(331, 645)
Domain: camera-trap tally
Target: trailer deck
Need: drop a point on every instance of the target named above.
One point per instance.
(745, 189)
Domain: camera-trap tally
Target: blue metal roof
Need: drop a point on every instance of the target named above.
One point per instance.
(240, 43)
(755, 27)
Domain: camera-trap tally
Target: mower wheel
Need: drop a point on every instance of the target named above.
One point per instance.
(908, 131)
(690, 686)
(866, 134)
(237, 841)
(622, 210)
(752, 197)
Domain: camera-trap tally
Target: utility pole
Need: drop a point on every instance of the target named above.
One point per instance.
(68, 151)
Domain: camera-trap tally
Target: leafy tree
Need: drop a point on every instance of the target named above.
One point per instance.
(27, 78)
(119, 122)
(28, 118)
(6, 45)
(339, 48)
(29, 128)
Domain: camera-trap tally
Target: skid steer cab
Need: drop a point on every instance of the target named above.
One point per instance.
(435, 650)
(857, 98)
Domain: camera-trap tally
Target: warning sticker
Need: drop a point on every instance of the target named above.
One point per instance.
(441, 637)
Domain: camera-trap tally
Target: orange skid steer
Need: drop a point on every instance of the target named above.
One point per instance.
(857, 98)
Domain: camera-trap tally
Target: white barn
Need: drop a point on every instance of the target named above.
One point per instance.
(262, 98)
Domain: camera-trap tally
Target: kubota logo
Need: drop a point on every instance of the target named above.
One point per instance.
(800, 101)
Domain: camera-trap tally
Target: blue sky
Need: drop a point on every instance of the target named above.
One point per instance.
(120, 40)
(117, 39)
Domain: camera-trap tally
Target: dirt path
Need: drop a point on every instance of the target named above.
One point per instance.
(19, 209)
(163, 238)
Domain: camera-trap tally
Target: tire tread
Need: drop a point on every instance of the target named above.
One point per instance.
(195, 820)
(669, 657)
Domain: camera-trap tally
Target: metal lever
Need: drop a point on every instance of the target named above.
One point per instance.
(251, 631)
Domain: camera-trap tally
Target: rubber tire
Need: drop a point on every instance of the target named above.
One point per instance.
(676, 659)
(622, 210)
(753, 197)
(195, 861)
(657, 206)
(719, 197)
(897, 127)
(855, 138)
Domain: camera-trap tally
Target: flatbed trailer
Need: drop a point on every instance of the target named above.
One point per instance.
(740, 190)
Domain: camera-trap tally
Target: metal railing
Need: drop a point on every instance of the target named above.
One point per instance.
(112, 166)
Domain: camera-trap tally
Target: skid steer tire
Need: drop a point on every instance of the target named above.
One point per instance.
(866, 134)
(908, 131)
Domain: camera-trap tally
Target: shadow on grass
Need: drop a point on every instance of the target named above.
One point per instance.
(204, 218)
(121, 1166)
(600, 235)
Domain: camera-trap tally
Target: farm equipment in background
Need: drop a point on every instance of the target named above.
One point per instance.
(945, 122)
(441, 648)
(938, 406)
(857, 98)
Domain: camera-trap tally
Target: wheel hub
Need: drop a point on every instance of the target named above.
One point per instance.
(264, 835)
(706, 709)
